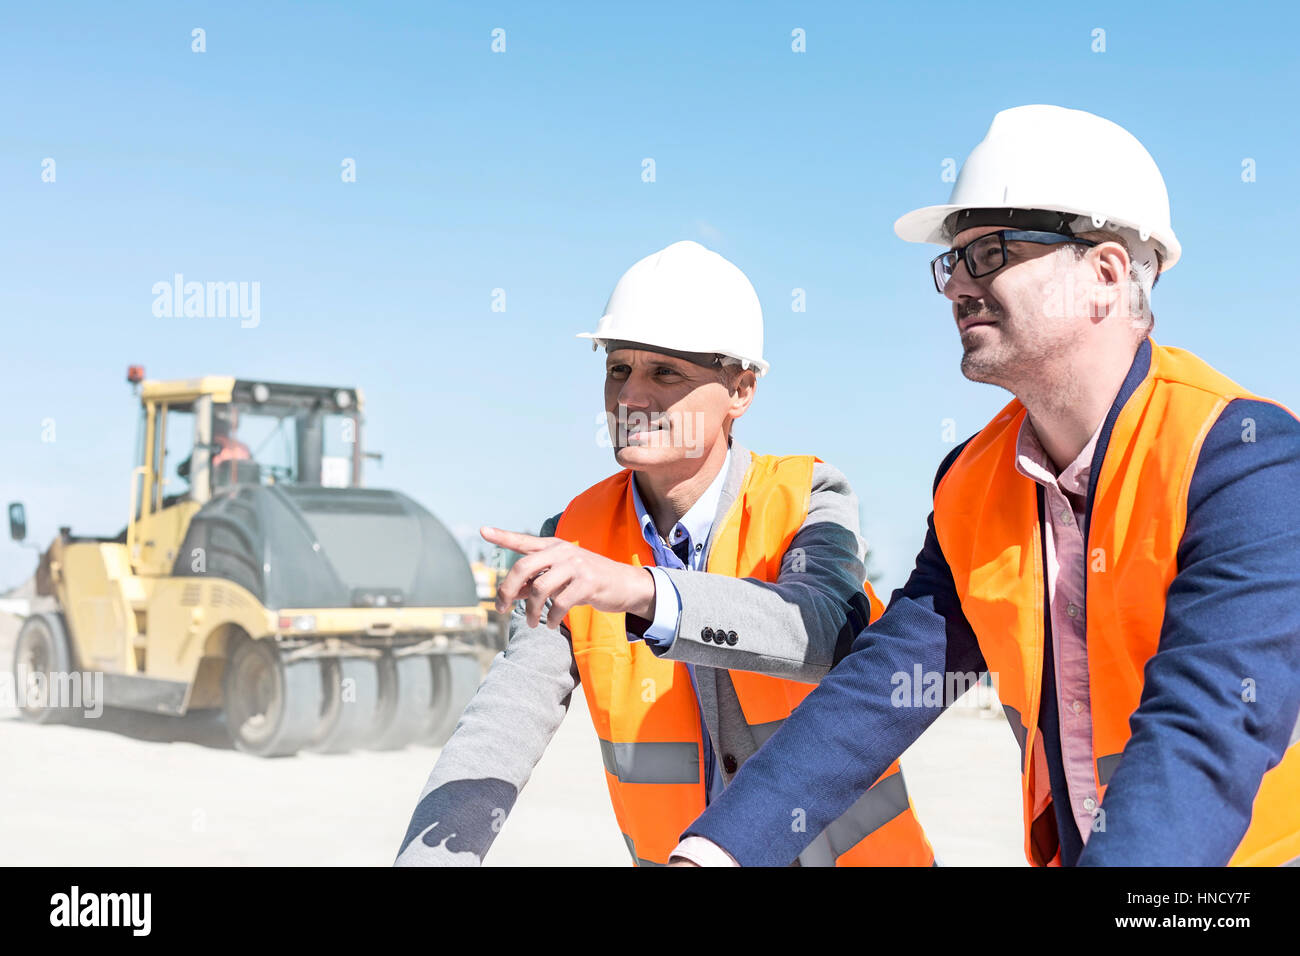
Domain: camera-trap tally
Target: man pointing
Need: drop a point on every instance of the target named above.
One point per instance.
(696, 596)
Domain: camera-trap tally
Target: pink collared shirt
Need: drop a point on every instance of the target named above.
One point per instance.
(1066, 498)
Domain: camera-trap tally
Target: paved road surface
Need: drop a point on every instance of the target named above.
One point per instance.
(136, 789)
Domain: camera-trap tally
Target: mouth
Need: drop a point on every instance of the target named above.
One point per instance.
(965, 325)
(643, 434)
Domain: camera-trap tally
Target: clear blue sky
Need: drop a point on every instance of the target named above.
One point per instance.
(522, 171)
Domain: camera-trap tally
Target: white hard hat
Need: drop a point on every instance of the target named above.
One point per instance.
(685, 298)
(1057, 160)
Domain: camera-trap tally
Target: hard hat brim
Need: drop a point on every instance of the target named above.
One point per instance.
(927, 225)
(759, 366)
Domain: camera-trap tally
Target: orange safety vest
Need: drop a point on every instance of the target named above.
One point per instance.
(645, 709)
(987, 521)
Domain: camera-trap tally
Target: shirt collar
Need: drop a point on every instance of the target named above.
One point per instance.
(695, 525)
(1033, 463)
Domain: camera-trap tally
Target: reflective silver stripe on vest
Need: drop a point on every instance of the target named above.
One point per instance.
(631, 848)
(1017, 728)
(1106, 767)
(885, 800)
(1295, 733)
(645, 762)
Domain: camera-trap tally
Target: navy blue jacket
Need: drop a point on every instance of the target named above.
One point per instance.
(1183, 790)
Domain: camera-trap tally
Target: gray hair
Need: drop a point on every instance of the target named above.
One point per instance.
(1143, 274)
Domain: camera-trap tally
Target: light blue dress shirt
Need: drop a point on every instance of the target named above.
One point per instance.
(694, 527)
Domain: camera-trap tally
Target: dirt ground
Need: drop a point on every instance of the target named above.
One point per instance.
(138, 789)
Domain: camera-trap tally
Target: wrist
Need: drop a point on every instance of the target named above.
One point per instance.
(643, 594)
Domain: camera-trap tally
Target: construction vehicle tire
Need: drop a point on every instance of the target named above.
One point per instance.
(351, 704)
(272, 707)
(42, 668)
(405, 700)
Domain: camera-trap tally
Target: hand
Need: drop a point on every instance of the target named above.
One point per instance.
(567, 575)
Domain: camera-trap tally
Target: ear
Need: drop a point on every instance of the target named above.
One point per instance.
(743, 394)
(1110, 264)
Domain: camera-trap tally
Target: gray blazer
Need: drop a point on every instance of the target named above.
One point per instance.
(797, 628)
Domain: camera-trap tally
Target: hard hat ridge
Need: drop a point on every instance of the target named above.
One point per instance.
(1068, 162)
(688, 299)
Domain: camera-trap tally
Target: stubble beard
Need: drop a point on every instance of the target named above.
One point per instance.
(985, 363)
(1014, 361)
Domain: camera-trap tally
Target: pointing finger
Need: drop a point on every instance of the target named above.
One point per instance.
(514, 540)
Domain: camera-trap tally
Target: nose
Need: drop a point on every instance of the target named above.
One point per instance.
(633, 393)
(960, 285)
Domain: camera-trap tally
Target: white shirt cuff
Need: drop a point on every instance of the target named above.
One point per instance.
(703, 852)
(663, 629)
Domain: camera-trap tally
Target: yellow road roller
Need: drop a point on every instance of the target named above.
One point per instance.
(257, 575)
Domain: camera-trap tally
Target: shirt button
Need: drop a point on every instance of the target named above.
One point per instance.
(1066, 517)
(731, 638)
(1072, 610)
(729, 763)
(706, 635)
(1077, 707)
(1090, 804)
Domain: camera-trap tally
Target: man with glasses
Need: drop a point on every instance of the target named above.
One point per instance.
(1117, 547)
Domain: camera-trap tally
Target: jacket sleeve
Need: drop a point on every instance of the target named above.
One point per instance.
(1222, 692)
(797, 626)
(501, 736)
(847, 731)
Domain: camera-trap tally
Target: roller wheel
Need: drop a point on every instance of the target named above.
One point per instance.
(440, 675)
(43, 671)
(351, 706)
(405, 700)
(456, 678)
(272, 708)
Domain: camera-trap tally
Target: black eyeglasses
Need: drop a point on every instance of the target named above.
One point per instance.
(988, 253)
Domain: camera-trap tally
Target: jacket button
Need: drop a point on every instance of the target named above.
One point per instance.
(731, 637)
(728, 763)
(706, 635)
